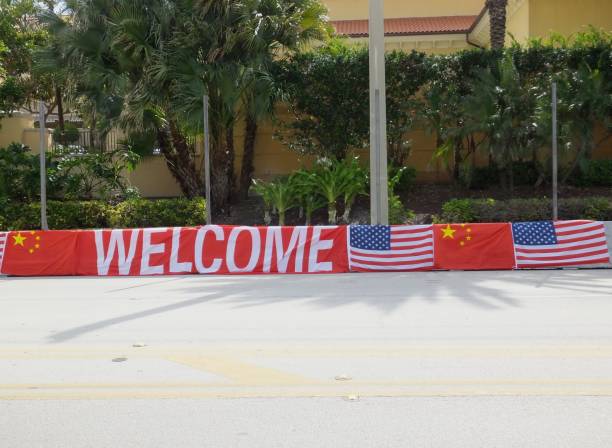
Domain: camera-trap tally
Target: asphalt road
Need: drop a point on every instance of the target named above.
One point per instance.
(457, 359)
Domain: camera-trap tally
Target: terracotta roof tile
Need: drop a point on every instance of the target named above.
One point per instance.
(408, 26)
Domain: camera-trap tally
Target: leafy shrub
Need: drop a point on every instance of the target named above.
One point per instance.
(595, 173)
(483, 177)
(332, 179)
(19, 173)
(525, 173)
(78, 215)
(141, 143)
(596, 208)
(513, 210)
(91, 175)
(12, 94)
(331, 182)
(70, 175)
(479, 177)
(490, 210)
(60, 215)
(458, 210)
(402, 178)
(4, 221)
(279, 196)
(327, 117)
(308, 196)
(398, 214)
(356, 179)
(159, 213)
(263, 189)
(99, 214)
(68, 136)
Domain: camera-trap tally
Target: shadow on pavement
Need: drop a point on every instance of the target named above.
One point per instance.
(384, 292)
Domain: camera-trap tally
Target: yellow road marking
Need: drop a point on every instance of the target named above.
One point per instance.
(239, 371)
(246, 379)
(299, 393)
(314, 383)
(51, 352)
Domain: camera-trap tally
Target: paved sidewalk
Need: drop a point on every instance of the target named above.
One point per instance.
(436, 359)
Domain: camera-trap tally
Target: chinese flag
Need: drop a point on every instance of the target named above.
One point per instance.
(473, 246)
(40, 253)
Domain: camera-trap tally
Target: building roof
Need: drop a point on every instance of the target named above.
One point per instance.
(408, 26)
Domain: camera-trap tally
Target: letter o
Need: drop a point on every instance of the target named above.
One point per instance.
(231, 249)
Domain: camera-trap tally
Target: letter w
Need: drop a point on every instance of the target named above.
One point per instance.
(116, 244)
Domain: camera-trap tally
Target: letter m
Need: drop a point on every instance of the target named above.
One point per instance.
(274, 243)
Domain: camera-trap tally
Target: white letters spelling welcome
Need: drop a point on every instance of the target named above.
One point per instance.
(214, 249)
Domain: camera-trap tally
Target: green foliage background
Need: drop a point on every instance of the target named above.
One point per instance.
(133, 213)
(494, 103)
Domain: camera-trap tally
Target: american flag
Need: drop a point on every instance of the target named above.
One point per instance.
(559, 243)
(3, 238)
(391, 248)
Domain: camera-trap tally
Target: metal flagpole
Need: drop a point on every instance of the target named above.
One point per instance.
(43, 167)
(207, 162)
(379, 199)
(555, 193)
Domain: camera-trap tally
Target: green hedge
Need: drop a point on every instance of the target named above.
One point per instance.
(159, 213)
(98, 214)
(483, 177)
(490, 210)
(596, 173)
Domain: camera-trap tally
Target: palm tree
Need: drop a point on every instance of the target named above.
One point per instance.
(283, 27)
(144, 65)
(258, 102)
(501, 108)
(497, 14)
(157, 58)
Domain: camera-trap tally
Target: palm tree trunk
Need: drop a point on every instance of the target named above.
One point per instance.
(497, 15)
(231, 156)
(180, 160)
(574, 168)
(457, 160)
(222, 170)
(248, 156)
(60, 108)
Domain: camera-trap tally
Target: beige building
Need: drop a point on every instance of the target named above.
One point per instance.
(433, 26)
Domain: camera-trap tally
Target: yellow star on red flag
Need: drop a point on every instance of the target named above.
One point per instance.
(29, 244)
(19, 239)
(448, 232)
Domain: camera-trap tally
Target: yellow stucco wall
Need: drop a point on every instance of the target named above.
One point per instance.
(518, 23)
(433, 44)
(153, 179)
(273, 159)
(31, 138)
(12, 128)
(358, 9)
(568, 16)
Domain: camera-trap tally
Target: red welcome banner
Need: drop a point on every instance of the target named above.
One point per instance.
(215, 249)
(180, 250)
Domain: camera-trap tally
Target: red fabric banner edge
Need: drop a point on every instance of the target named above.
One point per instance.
(221, 250)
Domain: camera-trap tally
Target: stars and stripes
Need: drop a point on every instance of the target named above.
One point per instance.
(560, 243)
(3, 239)
(391, 248)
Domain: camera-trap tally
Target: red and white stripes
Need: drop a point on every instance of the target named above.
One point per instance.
(578, 243)
(411, 248)
(3, 239)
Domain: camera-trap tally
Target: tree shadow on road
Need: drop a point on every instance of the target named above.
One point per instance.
(384, 292)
